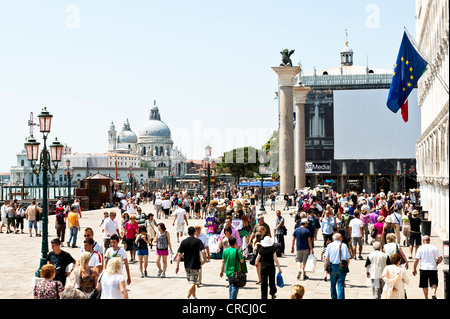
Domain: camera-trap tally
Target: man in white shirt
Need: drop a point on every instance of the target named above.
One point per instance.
(123, 207)
(3, 212)
(429, 257)
(166, 204)
(95, 260)
(116, 251)
(110, 227)
(356, 229)
(158, 203)
(375, 263)
(198, 234)
(397, 224)
(179, 219)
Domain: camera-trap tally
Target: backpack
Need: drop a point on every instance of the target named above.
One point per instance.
(346, 220)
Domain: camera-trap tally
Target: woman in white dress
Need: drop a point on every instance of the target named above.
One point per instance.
(395, 278)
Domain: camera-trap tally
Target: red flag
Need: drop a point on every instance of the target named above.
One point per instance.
(404, 110)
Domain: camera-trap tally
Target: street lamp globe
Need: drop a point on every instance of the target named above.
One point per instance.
(56, 150)
(32, 149)
(45, 121)
(208, 150)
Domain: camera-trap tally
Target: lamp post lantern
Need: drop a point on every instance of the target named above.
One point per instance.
(130, 177)
(68, 171)
(208, 156)
(46, 157)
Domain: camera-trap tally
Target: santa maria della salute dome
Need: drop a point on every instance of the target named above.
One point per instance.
(153, 145)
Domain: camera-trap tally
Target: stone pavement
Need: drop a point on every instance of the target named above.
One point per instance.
(20, 254)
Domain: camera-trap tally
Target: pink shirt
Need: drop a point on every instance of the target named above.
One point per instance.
(131, 230)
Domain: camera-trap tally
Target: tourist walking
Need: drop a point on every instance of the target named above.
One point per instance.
(198, 234)
(375, 263)
(356, 229)
(395, 278)
(60, 259)
(391, 247)
(31, 215)
(335, 253)
(163, 245)
(152, 227)
(328, 225)
(280, 230)
(111, 284)
(415, 237)
(60, 224)
(84, 277)
(232, 260)
(179, 219)
(142, 241)
(267, 257)
(116, 251)
(74, 226)
(429, 257)
(191, 247)
(131, 230)
(110, 227)
(48, 288)
(304, 247)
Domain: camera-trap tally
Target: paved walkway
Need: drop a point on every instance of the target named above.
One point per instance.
(20, 254)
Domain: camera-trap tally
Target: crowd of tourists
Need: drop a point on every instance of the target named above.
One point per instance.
(386, 224)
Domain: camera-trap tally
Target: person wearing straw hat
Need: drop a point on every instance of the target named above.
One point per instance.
(267, 256)
(379, 227)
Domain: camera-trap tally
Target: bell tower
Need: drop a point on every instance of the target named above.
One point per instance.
(112, 137)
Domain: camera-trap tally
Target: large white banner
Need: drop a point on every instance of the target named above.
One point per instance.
(364, 127)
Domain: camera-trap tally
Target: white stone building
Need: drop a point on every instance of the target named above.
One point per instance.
(153, 145)
(432, 150)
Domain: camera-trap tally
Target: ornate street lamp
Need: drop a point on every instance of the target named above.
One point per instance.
(68, 171)
(208, 156)
(45, 157)
(262, 171)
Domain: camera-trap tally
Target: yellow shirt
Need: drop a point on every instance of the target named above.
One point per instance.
(73, 219)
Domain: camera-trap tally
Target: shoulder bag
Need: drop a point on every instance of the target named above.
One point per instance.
(343, 264)
(239, 279)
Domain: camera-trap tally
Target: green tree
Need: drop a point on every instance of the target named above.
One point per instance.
(240, 162)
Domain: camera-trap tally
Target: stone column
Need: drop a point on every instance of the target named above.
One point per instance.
(300, 93)
(286, 75)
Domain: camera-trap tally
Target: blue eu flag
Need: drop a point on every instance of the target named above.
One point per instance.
(408, 69)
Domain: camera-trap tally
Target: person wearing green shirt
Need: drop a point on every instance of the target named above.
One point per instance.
(229, 264)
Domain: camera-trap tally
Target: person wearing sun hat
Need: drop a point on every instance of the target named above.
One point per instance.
(267, 256)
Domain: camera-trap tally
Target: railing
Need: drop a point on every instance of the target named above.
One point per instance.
(347, 80)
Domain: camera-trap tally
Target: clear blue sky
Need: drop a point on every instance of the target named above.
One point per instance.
(207, 63)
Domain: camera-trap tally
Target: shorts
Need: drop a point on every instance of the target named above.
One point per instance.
(32, 223)
(166, 211)
(302, 256)
(180, 227)
(428, 278)
(142, 252)
(357, 241)
(131, 246)
(415, 237)
(192, 275)
(162, 252)
(11, 221)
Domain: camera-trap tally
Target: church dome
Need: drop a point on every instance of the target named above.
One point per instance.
(155, 127)
(347, 50)
(127, 136)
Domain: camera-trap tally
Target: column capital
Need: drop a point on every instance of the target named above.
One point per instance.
(300, 93)
(286, 74)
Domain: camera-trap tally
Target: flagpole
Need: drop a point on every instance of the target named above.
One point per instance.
(426, 59)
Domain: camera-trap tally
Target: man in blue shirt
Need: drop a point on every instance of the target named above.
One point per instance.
(304, 246)
(328, 223)
(336, 251)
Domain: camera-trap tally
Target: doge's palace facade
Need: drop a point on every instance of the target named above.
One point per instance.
(432, 147)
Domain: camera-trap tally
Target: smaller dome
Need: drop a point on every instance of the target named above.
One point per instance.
(127, 137)
(346, 50)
